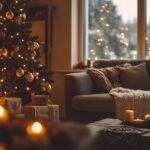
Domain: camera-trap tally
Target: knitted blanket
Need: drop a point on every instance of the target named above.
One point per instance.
(136, 100)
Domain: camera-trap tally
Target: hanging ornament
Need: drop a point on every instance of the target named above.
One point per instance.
(1, 6)
(43, 89)
(33, 54)
(19, 72)
(23, 16)
(9, 15)
(19, 20)
(16, 49)
(48, 87)
(4, 52)
(36, 45)
(29, 77)
(35, 73)
(30, 46)
(2, 35)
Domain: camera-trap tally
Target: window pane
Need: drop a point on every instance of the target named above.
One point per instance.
(112, 29)
(147, 37)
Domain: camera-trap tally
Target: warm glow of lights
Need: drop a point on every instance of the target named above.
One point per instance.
(17, 34)
(101, 18)
(5, 93)
(27, 88)
(37, 127)
(96, 58)
(107, 25)
(92, 50)
(98, 30)
(43, 79)
(3, 115)
(1, 111)
(36, 130)
(146, 38)
(16, 87)
(21, 9)
(1, 80)
(2, 147)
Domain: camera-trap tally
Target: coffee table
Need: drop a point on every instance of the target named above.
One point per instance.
(96, 127)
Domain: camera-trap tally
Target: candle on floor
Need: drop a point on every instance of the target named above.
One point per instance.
(129, 115)
(36, 130)
(2, 147)
(4, 117)
(147, 117)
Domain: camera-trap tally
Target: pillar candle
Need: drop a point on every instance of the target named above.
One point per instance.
(129, 115)
(147, 117)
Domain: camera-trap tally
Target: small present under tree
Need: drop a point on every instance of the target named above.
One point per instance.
(21, 73)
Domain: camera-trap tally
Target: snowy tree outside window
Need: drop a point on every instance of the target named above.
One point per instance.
(112, 29)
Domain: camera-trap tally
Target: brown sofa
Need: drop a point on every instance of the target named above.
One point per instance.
(83, 103)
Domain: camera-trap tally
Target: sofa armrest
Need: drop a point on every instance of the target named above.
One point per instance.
(77, 84)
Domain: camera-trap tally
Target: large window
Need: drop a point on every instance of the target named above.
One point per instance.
(147, 37)
(112, 29)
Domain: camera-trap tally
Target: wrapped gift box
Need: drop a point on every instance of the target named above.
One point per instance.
(12, 104)
(41, 100)
(49, 112)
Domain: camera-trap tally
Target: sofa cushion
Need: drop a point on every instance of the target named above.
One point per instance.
(94, 103)
(135, 77)
(102, 82)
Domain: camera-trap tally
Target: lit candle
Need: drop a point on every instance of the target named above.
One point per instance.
(36, 130)
(138, 120)
(147, 117)
(4, 117)
(129, 116)
(2, 147)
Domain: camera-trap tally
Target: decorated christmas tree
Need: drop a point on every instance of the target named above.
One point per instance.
(107, 33)
(21, 73)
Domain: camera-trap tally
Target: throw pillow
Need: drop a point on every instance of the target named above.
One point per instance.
(113, 74)
(135, 77)
(102, 82)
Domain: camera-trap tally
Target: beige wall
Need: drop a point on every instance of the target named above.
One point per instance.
(65, 42)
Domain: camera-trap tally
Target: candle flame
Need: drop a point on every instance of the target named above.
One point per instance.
(1, 111)
(37, 127)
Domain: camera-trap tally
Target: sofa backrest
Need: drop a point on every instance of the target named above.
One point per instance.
(79, 84)
(110, 63)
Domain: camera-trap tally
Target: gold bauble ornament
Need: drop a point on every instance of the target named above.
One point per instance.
(19, 20)
(23, 16)
(43, 89)
(36, 45)
(19, 72)
(35, 73)
(33, 54)
(48, 87)
(3, 52)
(9, 15)
(1, 6)
(29, 77)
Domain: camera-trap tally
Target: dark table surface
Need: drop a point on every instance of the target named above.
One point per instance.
(96, 127)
